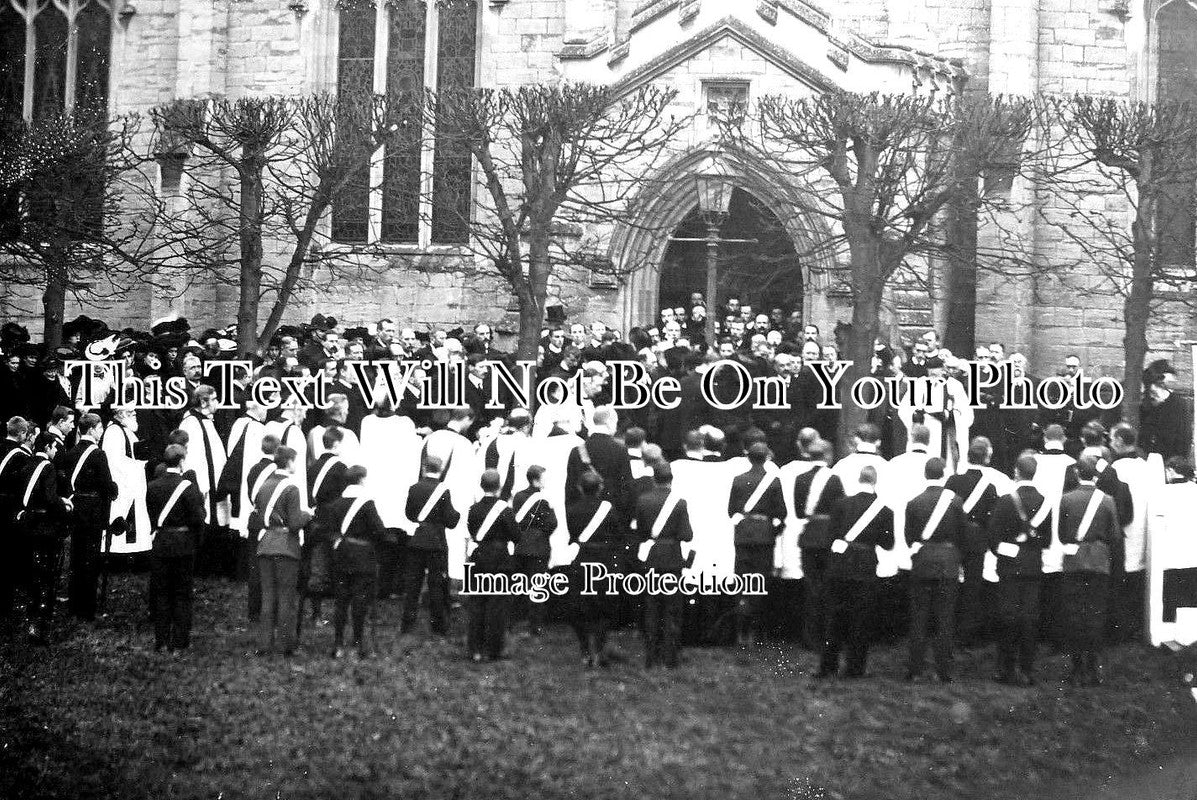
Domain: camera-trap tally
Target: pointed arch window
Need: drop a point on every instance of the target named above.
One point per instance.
(418, 192)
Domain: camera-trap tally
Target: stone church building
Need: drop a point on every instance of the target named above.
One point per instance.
(141, 53)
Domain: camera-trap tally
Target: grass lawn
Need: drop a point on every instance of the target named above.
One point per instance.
(100, 715)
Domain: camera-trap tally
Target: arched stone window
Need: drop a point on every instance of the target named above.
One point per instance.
(54, 56)
(416, 193)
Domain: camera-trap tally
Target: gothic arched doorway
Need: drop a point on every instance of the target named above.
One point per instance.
(765, 274)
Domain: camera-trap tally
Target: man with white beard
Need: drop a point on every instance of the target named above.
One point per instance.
(119, 443)
(948, 416)
(206, 457)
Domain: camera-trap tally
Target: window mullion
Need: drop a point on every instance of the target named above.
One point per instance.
(381, 35)
(427, 138)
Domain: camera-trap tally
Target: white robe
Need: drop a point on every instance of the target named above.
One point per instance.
(129, 475)
(956, 397)
(291, 435)
(787, 555)
(252, 431)
(463, 476)
(1143, 478)
(1049, 480)
(350, 446)
(390, 451)
(198, 459)
(1170, 546)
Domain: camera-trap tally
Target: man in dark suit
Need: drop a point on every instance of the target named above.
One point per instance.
(1092, 540)
(860, 523)
(816, 492)
(536, 520)
(608, 457)
(978, 493)
(492, 527)
(176, 511)
(935, 533)
(431, 509)
(757, 509)
(1019, 530)
(663, 522)
(42, 518)
(89, 484)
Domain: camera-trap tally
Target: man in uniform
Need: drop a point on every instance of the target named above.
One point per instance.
(935, 533)
(663, 521)
(1019, 530)
(757, 509)
(430, 508)
(14, 454)
(978, 487)
(90, 486)
(1092, 540)
(860, 523)
(816, 491)
(492, 528)
(280, 516)
(356, 530)
(599, 533)
(536, 520)
(176, 510)
(42, 519)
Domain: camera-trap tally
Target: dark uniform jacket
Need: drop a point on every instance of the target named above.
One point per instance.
(610, 535)
(537, 525)
(859, 562)
(833, 490)
(491, 554)
(94, 490)
(771, 505)
(333, 483)
(963, 485)
(356, 552)
(665, 555)
(1109, 482)
(430, 534)
(177, 535)
(280, 533)
(11, 486)
(1104, 528)
(46, 512)
(1005, 526)
(950, 529)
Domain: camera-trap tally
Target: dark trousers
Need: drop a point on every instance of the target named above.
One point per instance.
(85, 569)
(46, 564)
(851, 606)
(354, 594)
(280, 603)
(1084, 604)
(1018, 620)
(391, 564)
(932, 602)
(485, 625)
(662, 628)
(751, 560)
(536, 612)
(971, 614)
(433, 566)
(814, 601)
(1126, 610)
(253, 578)
(592, 614)
(218, 552)
(172, 579)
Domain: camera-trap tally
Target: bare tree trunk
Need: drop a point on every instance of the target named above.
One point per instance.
(54, 303)
(250, 235)
(1137, 312)
(867, 290)
(303, 245)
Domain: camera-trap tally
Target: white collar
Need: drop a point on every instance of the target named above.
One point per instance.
(937, 482)
(354, 490)
(866, 448)
(1017, 484)
(1053, 447)
(174, 471)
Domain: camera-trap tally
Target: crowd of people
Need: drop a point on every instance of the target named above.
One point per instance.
(966, 522)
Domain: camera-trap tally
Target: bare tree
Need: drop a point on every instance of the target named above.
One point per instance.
(82, 220)
(1135, 154)
(550, 160)
(262, 172)
(881, 169)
